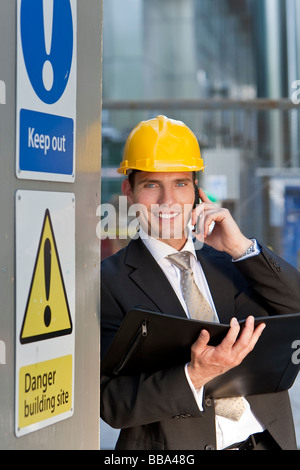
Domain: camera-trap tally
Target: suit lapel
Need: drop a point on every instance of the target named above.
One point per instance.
(149, 277)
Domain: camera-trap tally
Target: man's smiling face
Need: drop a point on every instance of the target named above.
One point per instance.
(166, 201)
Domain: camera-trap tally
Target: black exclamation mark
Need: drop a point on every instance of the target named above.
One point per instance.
(47, 266)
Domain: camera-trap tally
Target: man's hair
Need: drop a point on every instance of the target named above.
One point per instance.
(131, 178)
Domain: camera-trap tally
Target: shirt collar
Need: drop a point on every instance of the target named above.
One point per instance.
(161, 250)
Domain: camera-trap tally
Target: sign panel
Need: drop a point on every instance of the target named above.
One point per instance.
(45, 391)
(46, 89)
(45, 308)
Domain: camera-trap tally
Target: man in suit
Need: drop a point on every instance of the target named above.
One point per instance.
(238, 278)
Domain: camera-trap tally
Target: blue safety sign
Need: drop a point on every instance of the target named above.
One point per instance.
(46, 90)
(36, 40)
(46, 142)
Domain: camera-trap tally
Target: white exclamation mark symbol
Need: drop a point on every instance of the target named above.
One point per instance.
(48, 27)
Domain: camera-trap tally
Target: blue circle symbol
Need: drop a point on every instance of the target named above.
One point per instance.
(57, 60)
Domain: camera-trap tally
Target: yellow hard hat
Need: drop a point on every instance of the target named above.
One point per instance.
(161, 145)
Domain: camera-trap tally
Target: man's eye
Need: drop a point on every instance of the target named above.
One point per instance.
(150, 185)
(181, 184)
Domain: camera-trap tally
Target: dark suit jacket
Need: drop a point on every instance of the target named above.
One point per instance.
(158, 411)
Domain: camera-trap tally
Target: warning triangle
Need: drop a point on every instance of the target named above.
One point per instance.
(47, 313)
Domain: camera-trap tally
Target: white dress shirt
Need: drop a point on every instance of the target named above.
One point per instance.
(227, 431)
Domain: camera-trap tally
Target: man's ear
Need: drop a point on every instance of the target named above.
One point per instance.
(126, 190)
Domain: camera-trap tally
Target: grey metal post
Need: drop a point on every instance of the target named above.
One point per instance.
(81, 430)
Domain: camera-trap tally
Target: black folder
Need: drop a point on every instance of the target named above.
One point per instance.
(148, 341)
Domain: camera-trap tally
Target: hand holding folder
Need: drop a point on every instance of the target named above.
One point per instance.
(149, 341)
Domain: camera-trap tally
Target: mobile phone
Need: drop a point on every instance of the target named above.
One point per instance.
(197, 199)
(196, 202)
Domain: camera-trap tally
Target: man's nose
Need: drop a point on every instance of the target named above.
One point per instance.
(167, 196)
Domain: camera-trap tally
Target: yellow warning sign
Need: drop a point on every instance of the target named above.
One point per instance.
(47, 312)
(45, 390)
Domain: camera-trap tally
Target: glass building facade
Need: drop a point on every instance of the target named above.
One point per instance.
(230, 70)
(178, 52)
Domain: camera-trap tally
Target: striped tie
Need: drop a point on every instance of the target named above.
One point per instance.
(199, 309)
(197, 305)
